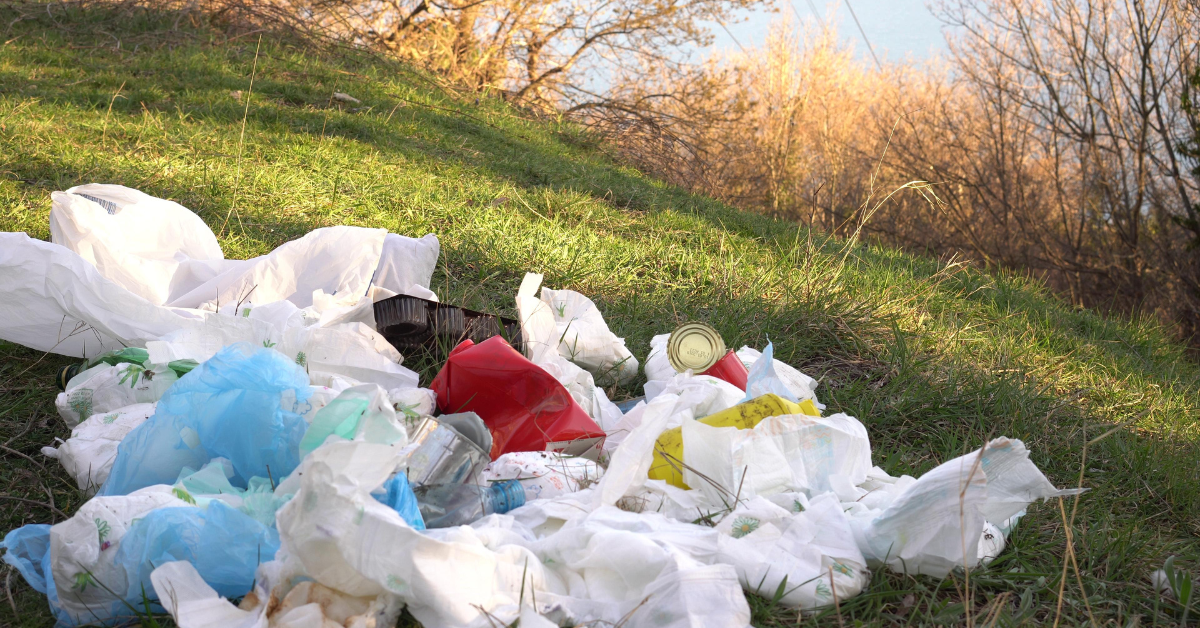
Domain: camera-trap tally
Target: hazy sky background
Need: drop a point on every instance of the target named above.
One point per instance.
(895, 28)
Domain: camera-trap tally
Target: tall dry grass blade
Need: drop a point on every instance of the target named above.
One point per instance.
(237, 185)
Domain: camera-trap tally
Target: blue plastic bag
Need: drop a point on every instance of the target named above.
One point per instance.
(225, 545)
(238, 405)
(763, 380)
(399, 496)
(27, 549)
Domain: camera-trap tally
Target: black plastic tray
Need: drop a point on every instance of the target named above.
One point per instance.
(414, 323)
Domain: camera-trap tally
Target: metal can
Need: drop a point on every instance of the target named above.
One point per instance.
(694, 346)
(444, 455)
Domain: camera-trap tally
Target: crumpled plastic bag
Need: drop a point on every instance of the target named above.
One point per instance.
(794, 452)
(89, 453)
(713, 394)
(101, 558)
(525, 408)
(127, 269)
(259, 500)
(83, 553)
(239, 405)
(341, 537)
(811, 554)
(800, 386)
(924, 527)
(194, 604)
(106, 388)
(580, 334)
(136, 240)
(544, 474)
(601, 569)
(762, 379)
(358, 413)
(344, 348)
(406, 265)
(542, 337)
(398, 495)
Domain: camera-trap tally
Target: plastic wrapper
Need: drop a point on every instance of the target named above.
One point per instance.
(398, 495)
(89, 453)
(240, 405)
(800, 385)
(525, 408)
(544, 474)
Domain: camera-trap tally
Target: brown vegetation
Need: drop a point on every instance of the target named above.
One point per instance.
(1058, 139)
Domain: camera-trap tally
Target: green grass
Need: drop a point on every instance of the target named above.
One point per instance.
(933, 357)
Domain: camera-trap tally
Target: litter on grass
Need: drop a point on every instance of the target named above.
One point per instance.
(259, 457)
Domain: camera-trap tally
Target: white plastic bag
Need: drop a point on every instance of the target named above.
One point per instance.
(540, 333)
(940, 522)
(406, 265)
(658, 366)
(707, 394)
(89, 453)
(83, 549)
(106, 388)
(359, 413)
(570, 324)
(814, 550)
(793, 452)
(56, 301)
(121, 255)
(132, 238)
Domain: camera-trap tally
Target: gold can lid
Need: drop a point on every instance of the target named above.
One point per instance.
(694, 346)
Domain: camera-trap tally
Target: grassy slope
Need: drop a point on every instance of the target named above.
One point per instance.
(933, 357)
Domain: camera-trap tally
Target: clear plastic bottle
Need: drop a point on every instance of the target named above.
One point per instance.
(446, 505)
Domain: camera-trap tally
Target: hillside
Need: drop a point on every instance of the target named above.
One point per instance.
(933, 356)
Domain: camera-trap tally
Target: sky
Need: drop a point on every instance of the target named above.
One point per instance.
(896, 28)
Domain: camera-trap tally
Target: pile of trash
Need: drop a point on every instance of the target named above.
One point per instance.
(256, 454)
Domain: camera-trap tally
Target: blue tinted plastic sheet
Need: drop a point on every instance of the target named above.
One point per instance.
(399, 496)
(238, 405)
(763, 380)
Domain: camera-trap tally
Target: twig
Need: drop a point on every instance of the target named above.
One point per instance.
(25, 456)
(8, 590)
(35, 503)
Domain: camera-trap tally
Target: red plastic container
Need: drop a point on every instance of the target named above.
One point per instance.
(730, 369)
(523, 406)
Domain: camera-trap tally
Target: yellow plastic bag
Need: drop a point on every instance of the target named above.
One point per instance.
(668, 450)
